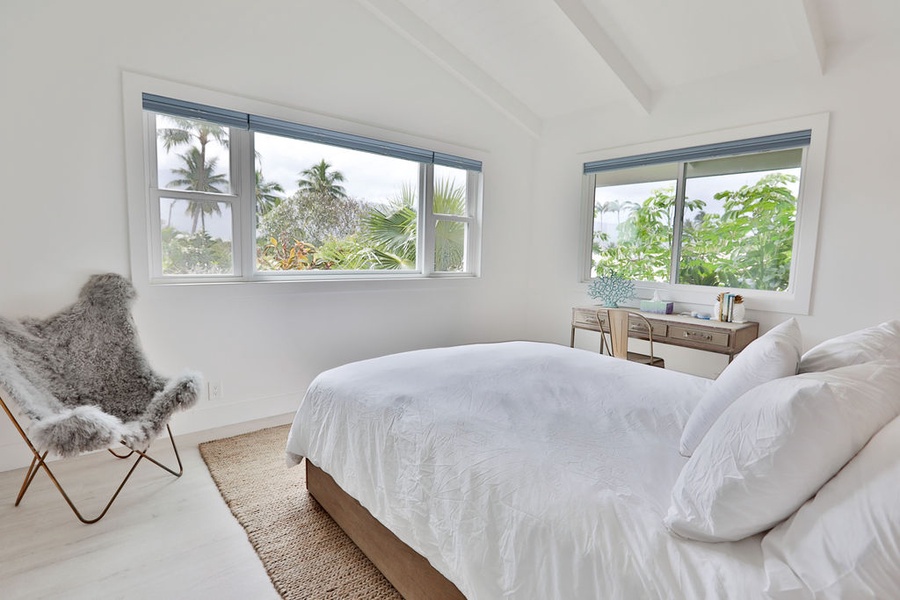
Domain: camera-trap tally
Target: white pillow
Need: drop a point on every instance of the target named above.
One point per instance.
(844, 542)
(873, 343)
(776, 446)
(774, 355)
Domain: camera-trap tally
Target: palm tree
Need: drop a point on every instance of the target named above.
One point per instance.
(389, 233)
(319, 180)
(188, 130)
(449, 236)
(199, 177)
(198, 172)
(267, 196)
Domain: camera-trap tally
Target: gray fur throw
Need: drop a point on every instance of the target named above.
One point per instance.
(81, 377)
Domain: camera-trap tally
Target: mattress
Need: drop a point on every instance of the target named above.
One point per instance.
(523, 470)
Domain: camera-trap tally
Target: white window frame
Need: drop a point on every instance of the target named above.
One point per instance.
(794, 300)
(144, 193)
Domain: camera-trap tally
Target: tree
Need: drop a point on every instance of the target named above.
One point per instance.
(449, 236)
(757, 233)
(643, 249)
(267, 194)
(310, 218)
(748, 245)
(187, 132)
(196, 253)
(199, 175)
(318, 179)
(388, 235)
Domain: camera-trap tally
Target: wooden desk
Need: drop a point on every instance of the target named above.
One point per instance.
(676, 330)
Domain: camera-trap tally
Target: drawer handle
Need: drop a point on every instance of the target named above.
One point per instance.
(698, 335)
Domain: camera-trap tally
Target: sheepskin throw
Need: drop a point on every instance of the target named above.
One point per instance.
(81, 377)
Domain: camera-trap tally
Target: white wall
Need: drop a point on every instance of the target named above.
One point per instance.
(855, 283)
(63, 208)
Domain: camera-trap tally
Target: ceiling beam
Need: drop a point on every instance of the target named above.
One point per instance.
(803, 19)
(611, 54)
(424, 37)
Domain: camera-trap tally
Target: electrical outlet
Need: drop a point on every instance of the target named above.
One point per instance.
(215, 390)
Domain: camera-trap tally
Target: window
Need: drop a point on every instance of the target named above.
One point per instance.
(240, 196)
(722, 215)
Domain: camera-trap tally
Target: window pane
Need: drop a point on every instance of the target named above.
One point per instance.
(633, 230)
(321, 207)
(449, 246)
(449, 191)
(192, 155)
(196, 237)
(739, 222)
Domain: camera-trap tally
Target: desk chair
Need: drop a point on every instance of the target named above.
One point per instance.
(620, 324)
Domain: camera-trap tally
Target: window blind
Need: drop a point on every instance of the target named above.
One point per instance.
(261, 124)
(781, 141)
(192, 110)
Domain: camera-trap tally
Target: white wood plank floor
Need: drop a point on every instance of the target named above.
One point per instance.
(164, 537)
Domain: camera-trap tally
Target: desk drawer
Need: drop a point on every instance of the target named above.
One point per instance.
(587, 318)
(640, 328)
(700, 336)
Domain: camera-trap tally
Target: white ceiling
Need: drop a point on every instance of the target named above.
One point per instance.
(539, 59)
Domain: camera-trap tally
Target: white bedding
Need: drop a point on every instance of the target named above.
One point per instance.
(523, 470)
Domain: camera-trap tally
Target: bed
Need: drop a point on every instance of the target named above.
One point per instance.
(522, 470)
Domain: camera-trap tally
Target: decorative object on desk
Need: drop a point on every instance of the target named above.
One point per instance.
(611, 289)
(655, 305)
(729, 308)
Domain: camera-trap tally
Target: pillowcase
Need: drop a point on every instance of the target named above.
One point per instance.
(776, 446)
(774, 355)
(843, 542)
(873, 343)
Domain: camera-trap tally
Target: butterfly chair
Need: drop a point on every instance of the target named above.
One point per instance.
(83, 383)
(621, 322)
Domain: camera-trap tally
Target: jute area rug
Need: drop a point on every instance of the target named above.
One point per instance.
(303, 550)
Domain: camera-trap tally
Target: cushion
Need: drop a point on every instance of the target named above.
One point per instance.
(774, 447)
(843, 542)
(773, 355)
(872, 343)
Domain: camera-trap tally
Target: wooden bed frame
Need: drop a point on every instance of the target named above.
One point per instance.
(408, 571)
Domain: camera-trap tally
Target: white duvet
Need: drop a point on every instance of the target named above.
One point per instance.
(523, 470)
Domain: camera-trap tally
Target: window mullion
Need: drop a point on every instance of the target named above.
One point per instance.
(152, 175)
(426, 219)
(245, 226)
(155, 234)
(678, 221)
(473, 233)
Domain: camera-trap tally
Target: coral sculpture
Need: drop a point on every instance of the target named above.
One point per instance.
(611, 289)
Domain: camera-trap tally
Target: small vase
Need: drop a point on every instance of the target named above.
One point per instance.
(737, 314)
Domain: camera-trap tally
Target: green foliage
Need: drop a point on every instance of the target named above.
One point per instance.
(643, 251)
(312, 218)
(282, 256)
(748, 246)
(383, 238)
(388, 236)
(449, 236)
(194, 254)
